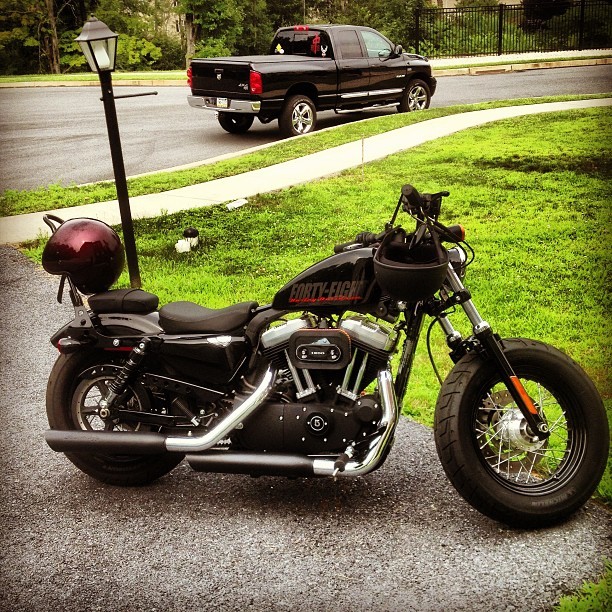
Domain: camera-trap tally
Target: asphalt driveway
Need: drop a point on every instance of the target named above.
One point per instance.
(398, 539)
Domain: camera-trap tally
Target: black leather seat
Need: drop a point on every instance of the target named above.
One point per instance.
(134, 301)
(187, 317)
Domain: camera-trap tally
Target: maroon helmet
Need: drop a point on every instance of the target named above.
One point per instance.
(88, 251)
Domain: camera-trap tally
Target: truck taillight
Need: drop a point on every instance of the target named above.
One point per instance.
(189, 77)
(255, 83)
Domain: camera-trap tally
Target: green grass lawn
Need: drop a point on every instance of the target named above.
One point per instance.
(534, 194)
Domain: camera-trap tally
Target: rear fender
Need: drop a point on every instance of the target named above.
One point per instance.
(106, 331)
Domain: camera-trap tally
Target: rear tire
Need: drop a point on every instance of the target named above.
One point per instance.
(299, 116)
(489, 454)
(235, 123)
(75, 384)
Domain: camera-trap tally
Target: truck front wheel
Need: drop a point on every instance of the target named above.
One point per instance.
(416, 97)
(235, 123)
(299, 116)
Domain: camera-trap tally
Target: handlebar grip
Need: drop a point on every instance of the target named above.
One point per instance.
(361, 240)
(367, 238)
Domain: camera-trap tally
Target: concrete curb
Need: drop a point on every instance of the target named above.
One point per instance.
(19, 228)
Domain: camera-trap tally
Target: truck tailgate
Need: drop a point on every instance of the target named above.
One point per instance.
(223, 77)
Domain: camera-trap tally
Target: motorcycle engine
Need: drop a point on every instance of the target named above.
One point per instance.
(321, 404)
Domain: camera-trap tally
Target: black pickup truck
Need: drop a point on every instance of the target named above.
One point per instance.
(310, 69)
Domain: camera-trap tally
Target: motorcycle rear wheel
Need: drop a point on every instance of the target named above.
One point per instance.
(76, 383)
(489, 454)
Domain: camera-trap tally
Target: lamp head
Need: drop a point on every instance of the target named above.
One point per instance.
(99, 44)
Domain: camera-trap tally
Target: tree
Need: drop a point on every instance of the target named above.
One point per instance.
(212, 27)
(536, 10)
(35, 25)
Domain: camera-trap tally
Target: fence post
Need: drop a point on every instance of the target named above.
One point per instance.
(500, 30)
(417, 26)
(581, 27)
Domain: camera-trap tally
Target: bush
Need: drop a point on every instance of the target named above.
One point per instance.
(135, 53)
(172, 53)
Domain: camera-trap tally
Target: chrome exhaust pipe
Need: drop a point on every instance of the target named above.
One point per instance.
(95, 442)
(378, 446)
(180, 444)
(285, 464)
(147, 443)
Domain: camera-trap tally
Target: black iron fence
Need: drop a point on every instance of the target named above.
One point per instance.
(513, 28)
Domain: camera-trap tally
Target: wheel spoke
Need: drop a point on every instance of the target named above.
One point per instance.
(502, 436)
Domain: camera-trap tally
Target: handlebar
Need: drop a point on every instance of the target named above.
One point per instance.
(425, 208)
(363, 239)
(419, 204)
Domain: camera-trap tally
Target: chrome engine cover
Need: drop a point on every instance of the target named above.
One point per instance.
(369, 333)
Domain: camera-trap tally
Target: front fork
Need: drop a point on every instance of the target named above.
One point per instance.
(491, 343)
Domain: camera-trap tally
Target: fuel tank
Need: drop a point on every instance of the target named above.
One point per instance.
(342, 281)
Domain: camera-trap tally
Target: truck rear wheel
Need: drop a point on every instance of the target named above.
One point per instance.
(235, 123)
(299, 116)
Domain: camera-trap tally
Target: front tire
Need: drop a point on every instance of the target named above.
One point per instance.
(299, 116)
(235, 123)
(489, 454)
(416, 97)
(76, 383)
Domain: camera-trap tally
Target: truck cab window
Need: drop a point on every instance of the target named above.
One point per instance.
(376, 45)
(310, 43)
(349, 44)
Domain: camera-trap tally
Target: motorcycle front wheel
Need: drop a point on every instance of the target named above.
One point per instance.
(493, 459)
(76, 384)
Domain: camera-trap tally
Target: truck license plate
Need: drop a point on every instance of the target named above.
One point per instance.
(222, 102)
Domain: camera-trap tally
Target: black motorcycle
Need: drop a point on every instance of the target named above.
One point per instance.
(304, 386)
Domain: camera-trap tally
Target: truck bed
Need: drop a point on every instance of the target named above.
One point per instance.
(228, 76)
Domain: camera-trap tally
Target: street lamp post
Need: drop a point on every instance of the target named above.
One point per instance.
(99, 44)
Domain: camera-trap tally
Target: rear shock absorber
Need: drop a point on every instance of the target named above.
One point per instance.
(117, 386)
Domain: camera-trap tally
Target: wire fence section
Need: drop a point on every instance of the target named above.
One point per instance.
(563, 25)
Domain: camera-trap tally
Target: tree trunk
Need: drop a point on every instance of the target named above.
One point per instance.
(52, 42)
(192, 34)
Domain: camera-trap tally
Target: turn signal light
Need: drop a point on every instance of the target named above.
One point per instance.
(458, 232)
(255, 83)
(189, 77)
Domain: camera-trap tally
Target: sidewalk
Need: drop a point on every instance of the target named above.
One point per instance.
(281, 176)
(519, 62)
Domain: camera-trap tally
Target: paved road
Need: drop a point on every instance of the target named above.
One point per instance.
(52, 135)
(399, 539)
